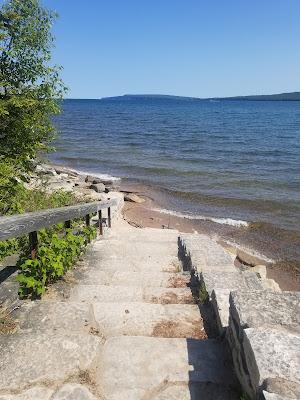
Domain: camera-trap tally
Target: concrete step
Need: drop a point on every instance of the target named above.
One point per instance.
(117, 294)
(116, 262)
(142, 319)
(133, 278)
(139, 368)
(37, 358)
(112, 319)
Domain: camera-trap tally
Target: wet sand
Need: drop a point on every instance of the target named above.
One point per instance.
(141, 215)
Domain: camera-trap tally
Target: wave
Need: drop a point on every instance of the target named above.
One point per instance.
(93, 173)
(223, 221)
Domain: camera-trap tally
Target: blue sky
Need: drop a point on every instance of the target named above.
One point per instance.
(184, 47)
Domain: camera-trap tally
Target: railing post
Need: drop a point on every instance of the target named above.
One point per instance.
(33, 244)
(67, 224)
(87, 220)
(109, 217)
(100, 222)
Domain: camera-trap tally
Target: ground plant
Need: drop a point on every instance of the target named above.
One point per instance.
(57, 253)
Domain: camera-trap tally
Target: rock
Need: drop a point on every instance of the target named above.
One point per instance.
(256, 308)
(35, 393)
(133, 198)
(40, 169)
(89, 178)
(274, 396)
(270, 354)
(229, 281)
(249, 258)
(270, 284)
(73, 391)
(88, 194)
(99, 187)
(64, 186)
(96, 180)
(261, 270)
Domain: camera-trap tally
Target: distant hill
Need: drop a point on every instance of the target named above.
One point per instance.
(292, 96)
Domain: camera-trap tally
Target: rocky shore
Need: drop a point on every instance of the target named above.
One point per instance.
(139, 210)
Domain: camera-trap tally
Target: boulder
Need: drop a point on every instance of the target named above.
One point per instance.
(89, 178)
(249, 258)
(133, 198)
(99, 187)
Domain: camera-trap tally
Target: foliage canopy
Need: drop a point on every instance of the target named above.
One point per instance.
(30, 86)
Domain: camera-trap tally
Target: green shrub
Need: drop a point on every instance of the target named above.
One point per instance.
(56, 254)
(203, 295)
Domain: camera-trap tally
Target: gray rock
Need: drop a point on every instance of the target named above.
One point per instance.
(73, 391)
(274, 396)
(35, 393)
(229, 280)
(30, 359)
(134, 198)
(257, 308)
(249, 258)
(220, 303)
(269, 354)
(89, 178)
(99, 187)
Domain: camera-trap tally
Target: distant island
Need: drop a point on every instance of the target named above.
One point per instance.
(292, 96)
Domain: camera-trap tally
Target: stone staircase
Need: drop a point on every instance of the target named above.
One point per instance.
(260, 325)
(124, 325)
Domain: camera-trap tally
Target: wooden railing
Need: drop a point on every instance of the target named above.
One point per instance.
(30, 223)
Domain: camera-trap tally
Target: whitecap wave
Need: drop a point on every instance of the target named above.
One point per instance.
(92, 173)
(223, 221)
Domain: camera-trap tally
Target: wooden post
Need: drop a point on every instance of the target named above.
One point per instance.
(67, 224)
(87, 220)
(109, 217)
(100, 222)
(33, 244)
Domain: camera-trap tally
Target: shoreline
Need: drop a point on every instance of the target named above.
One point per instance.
(150, 213)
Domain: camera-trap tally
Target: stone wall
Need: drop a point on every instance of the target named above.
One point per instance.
(260, 324)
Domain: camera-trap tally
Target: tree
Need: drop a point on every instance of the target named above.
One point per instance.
(30, 88)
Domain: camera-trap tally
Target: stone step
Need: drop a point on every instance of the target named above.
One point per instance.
(230, 281)
(265, 356)
(142, 319)
(204, 254)
(256, 308)
(136, 279)
(46, 316)
(117, 294)
(138, 368)
(112, 319)
(36, 358)
(116, 262)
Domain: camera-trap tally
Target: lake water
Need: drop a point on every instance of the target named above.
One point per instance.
(233, 162)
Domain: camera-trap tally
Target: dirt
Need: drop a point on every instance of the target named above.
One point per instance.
(169, 329)
(7, 323)
(178, 282)
(172, 298)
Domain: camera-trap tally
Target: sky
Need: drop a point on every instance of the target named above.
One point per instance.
(199, 48)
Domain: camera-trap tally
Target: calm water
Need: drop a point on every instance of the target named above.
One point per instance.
(229, 159)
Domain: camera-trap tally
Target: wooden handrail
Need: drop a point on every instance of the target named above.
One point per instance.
(21, 224)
